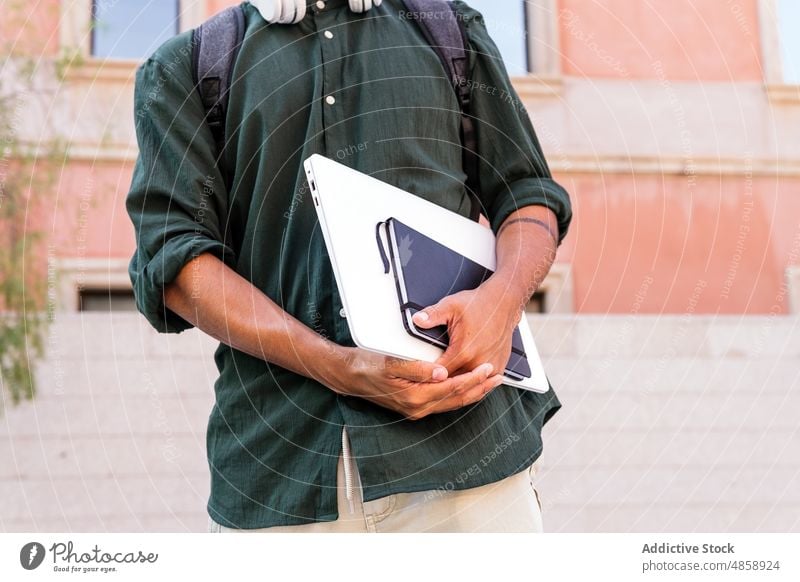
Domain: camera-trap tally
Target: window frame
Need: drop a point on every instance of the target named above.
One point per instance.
(778, 90)
(542, 23)
(93, 30)
(76, 274)
(779, 46)
(793, 284)
(77, 29)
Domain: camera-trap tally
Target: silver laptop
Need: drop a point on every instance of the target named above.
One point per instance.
(351, 206)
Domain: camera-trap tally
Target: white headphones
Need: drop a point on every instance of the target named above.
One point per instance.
(293, 11)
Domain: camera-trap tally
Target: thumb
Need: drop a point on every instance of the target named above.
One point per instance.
(439, 314)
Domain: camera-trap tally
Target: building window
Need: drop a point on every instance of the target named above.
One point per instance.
(132, 29)
(788, 19)
(507, 23)
(104, 299)
(92, 285)
(538, 303)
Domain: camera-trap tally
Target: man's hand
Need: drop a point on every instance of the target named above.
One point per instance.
(480, 324)
(413, 388)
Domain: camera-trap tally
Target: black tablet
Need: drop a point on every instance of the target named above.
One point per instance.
(425, 271)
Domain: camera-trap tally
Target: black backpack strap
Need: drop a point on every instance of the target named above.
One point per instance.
(215, 44)
(444, 30)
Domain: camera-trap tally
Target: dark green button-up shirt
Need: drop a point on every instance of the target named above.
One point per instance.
(274, 436)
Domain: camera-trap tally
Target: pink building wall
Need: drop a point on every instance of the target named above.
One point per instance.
(31, 28)
(733, 228)
(727, 236)
(695, 40)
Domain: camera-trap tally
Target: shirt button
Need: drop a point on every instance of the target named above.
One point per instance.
(330, 100)
(342, 313)
(328, 34)
(320, 4)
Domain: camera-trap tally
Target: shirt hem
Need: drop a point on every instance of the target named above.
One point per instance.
(438, 488)
(244, 524)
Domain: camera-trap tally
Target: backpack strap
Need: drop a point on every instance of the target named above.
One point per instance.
(444, 30)
(215, 45)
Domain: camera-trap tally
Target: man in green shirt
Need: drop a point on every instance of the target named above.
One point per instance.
(243, 259)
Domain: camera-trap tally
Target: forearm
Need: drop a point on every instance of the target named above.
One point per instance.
(217, 300)
(526, 249)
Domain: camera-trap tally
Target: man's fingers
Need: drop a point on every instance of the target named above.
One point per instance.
(474, 378)
(432, 316)
(463, 382)
(422, 399)
(453, 357)
(472, 394)
(480, 391)
(415, 370)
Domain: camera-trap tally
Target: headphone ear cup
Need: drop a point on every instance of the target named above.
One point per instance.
(363, 5)
(294, 12)
(281, 11)
(270, 10)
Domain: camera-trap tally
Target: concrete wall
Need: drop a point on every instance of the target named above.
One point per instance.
(671, 423)
(684, 423)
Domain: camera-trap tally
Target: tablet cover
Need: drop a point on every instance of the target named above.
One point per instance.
(432, 271)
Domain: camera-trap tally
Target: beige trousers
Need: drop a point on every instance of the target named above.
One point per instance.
(509, 505)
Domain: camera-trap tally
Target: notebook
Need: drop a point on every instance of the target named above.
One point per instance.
(425, 272)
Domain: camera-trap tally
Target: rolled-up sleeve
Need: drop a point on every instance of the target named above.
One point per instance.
(177, 199)
(512, 168)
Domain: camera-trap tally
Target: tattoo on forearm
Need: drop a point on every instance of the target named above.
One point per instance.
(532, 220)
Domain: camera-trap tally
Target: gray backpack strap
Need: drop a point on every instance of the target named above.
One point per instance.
(444, 31)
(215, 44)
